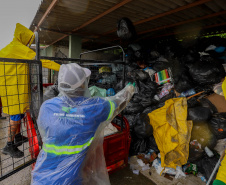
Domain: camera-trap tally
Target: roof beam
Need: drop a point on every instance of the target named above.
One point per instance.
(196, 3)
(183, 22)
(194, 29)
(95, 18)
(49, 9)
(102, 14)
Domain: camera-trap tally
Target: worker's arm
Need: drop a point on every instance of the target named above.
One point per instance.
(50, 65)
(121, 99)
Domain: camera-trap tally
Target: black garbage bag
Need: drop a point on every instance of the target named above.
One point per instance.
(160, 65)
(131, 120)
(126, 29)
(195, 153)
(142, 126)
(150, 109)
(199, 113)
(177, 69)
(138, 75)
(184, 81)
(131, 67)
(202, 133)
(148, 89)
(151, 144)
(119, 86)
(136, 98)
(147, 102)
(137, 146)
(207, 103)
(206, 71)
(133, 108)
(190, 57)
(206, 166)
(193, 102)
(218, 125)
(154, 55)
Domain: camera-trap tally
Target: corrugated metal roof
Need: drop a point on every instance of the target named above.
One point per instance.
(96, 20)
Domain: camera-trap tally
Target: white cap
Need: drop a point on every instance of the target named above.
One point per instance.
(71, 76)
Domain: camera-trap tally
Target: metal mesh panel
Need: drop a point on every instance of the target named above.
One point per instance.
(20, 91)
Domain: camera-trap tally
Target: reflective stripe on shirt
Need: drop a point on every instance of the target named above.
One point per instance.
(112, 110)
(67, 150)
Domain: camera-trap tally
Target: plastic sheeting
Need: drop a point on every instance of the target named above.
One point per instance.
(72, 131)
(15, 98)
(172, 132)
(202, 133)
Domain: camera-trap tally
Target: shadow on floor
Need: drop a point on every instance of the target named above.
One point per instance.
(125, 176)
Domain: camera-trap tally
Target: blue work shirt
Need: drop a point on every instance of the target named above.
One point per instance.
(72, 127)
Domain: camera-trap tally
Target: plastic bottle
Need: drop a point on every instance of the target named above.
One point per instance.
(188, 93)
(209, 152)
(201, 176)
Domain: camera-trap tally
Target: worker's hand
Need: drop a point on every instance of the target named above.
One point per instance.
(134, 84)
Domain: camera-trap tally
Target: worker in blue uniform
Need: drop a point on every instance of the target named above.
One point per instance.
(68, 123)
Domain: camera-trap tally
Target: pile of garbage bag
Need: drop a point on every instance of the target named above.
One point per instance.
(170, 116)
(192, 73)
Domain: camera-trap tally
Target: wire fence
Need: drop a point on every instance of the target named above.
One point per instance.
(20, 102)
(21, 92)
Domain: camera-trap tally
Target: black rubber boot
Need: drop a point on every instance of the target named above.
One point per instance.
(12, 150)
(2, 117)
(19, 139)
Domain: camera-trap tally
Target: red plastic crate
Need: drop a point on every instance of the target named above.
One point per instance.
(116, 148)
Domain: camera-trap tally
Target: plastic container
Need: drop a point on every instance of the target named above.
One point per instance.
(209, 152)
(187, 93)
(201, 176)
(116, 147)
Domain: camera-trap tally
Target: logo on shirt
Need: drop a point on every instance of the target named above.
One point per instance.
(69, 109)
(69, 113)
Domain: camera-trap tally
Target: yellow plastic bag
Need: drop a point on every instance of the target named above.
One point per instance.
(221, 175)
(172, 132)
(224, 87)
(14, 78)
(104, 69)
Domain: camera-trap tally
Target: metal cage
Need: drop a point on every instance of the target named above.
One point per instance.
(21, 94)
(23, 81)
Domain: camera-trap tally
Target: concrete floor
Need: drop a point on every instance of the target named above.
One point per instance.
(7, 163)
(125, 176)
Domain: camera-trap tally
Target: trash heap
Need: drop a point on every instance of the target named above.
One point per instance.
(173, 85)
(174, 127)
